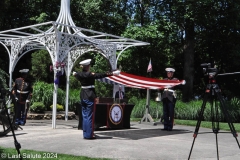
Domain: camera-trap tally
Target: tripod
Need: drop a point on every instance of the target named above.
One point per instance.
(213, 94)
(4, 112)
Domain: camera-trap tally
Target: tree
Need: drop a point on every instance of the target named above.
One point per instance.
(182, 34)
(3, 77)
(41, 62)
(107, 16)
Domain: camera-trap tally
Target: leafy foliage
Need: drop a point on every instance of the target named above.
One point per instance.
(155, 108)
(181, 35)
(37, 107)
(101, 65)
(3, 76)
(74, 97)
(41, 62)
(108, 16)
(73, 82)
(59, 107)
(188, 111)
(43, 92)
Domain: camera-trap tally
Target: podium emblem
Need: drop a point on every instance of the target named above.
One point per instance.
(116, 114)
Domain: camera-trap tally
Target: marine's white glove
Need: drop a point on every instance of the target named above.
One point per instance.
(183, 82)
(74, 73)
(116, 73)
(27, 101)
(16, 99)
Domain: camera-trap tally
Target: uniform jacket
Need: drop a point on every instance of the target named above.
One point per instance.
(88, 79)
(168, 94)
(22, 89)
(117, 94)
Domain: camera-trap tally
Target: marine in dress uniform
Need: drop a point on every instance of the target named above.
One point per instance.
(22, 91)
(169, 100)
(88, 95)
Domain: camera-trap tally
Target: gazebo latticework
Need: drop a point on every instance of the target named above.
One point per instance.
(65, 43)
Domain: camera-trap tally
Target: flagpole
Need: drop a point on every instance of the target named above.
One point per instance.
(147, 118)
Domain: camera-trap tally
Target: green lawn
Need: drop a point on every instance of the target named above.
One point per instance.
(11, 154)
(204, 124)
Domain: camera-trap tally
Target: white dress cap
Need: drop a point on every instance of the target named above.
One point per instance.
(24, 70)
(170, 70)
(85, 62)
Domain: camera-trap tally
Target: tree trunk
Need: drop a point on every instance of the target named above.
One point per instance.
(188, 72)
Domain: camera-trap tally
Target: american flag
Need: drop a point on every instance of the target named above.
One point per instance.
(134, 81)
(149, 69)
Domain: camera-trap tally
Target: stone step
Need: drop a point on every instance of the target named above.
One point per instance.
(48, 115)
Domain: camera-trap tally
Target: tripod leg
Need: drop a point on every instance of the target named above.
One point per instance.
(226, 114)
(199, 122)
(8, 93)
(217, 146)
(215, 121)
(214, 116)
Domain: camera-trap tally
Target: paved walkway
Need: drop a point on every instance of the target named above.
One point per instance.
(141, 142)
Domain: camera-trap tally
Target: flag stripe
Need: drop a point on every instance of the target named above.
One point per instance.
(134, 81)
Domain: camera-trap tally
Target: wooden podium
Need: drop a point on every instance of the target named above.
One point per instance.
(109, 114)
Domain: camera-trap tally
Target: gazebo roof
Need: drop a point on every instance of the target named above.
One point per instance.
(34, 31)
(23, 39)
(64, 23)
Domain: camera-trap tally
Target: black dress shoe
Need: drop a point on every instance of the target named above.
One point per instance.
(92, 138)
(169, 129)
(164, 129)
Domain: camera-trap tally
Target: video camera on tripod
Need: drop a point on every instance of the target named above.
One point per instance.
(217, 103)
(208, 71)
(213, 72)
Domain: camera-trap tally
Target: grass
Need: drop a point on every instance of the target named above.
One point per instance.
(11, 154)
(207, 124)
(204, 124)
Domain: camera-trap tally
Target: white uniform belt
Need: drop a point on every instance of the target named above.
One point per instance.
(92, 86)
(169, 90)
(23, 92)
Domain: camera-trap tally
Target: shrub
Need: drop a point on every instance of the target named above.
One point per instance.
(3, 77)
(59, 107)
(187, 111)
(43, 92)
(155, 108)
(139, 109)
(37, 107)
(73, 98)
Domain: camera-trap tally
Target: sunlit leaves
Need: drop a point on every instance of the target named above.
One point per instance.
(41, 62)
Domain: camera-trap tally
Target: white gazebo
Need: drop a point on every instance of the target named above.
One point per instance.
(65, 42)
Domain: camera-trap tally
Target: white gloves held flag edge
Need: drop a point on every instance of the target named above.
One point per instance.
(115, 73)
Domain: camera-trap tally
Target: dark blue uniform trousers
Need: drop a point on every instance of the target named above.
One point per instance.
(88, 118)
(20, 114)
(168, 113)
